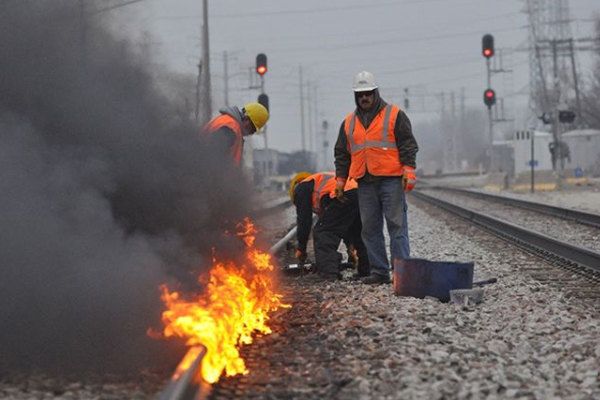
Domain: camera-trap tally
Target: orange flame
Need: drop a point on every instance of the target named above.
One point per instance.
(236, 303)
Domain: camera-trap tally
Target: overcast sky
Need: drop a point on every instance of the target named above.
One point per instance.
(429, 46)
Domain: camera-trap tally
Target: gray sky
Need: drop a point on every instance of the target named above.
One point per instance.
(429, 46)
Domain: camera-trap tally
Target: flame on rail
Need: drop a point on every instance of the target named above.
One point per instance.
(236, 303)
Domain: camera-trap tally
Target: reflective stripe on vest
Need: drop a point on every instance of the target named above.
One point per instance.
(324, 184)
(374, 149)
(228, 121)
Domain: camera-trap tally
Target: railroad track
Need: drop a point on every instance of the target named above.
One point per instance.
(560, 212)
(569, 257)
(186, 383)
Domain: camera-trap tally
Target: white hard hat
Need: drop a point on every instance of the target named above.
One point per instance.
(364, 82)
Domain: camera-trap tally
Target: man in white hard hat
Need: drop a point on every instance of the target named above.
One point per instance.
(376, 147)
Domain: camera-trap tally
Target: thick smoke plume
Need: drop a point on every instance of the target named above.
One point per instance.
(106, 191)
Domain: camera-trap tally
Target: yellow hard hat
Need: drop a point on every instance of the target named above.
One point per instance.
(258, 114)
(296, 180)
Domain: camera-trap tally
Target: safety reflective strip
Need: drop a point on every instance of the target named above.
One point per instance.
(351, 132)
(384, 143)
(386, 122)
(324, 181)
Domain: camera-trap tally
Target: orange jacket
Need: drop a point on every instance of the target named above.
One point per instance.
(325, 185)
(228, 121)
(373, 149)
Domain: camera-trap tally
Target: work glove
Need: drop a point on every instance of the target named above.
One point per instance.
(301, 256)
(409, 179)
(339, 190)
(352, 256)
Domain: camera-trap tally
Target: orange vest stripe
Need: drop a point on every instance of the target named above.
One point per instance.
(325, 185)
(374, 149)
(228, 121)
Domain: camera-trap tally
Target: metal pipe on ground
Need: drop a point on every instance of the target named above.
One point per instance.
(279, 245)
(186, 383)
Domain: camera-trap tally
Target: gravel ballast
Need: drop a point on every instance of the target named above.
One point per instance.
(345, 340)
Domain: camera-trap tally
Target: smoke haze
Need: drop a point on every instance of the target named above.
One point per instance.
(106, 192)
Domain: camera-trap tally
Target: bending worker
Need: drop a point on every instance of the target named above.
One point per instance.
(336, 221)
(376, 147)
(227, 130)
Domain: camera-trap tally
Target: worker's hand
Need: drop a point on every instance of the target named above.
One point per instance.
(301, 256)
(352, 255)
(409, 179)
(339, 190)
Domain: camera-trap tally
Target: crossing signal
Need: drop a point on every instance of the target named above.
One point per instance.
(566, 117)
(489, 97)
(261, 64)
(264, 100)
(488, 46)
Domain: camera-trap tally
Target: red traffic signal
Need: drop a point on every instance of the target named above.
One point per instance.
(261, 64)
(489, 97)
(487, 46)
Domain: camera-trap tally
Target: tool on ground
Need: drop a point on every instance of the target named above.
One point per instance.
(485, 282)
(466, 296)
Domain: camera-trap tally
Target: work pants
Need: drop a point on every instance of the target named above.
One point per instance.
(383, 198)
(339, 221)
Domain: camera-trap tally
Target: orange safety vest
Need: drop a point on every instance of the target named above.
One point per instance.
(228, 121)
(374, 149)
(325, 185)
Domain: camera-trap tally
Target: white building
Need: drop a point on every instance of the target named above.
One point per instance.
(584, 146)
(541, 152)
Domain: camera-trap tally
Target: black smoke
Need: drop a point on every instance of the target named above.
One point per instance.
(106, 191)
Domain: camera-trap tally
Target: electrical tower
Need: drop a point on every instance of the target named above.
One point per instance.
(554, 82)
(550, 69)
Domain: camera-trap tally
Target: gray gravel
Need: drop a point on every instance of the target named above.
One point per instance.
(344, 340)
(569, 231)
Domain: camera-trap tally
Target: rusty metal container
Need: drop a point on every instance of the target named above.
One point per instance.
(420, 278)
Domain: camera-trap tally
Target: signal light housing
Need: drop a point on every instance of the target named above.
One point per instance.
(489, 97)
(261, 64)
(487, 46)
(264, 100)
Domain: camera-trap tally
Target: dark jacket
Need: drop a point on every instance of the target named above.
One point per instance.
(405, 140)
(303, 202)
(224, 138)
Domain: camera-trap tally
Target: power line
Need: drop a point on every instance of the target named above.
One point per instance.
(308, 11)
(101, 10)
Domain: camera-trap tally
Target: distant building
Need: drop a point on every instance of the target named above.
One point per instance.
(503, 157)
(584, 147)
(541, 157)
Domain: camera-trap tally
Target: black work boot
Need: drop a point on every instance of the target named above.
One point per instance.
(375, 279)
(319, 277)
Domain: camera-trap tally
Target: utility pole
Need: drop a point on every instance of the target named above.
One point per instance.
(226, 77)
(302, 112)
(575, 78)
(311, 142)
(206, 103)
(84, 35)
(316, 121)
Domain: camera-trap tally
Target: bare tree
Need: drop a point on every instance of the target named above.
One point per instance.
(591, 95)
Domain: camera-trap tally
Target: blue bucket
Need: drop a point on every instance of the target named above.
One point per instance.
(419, 278)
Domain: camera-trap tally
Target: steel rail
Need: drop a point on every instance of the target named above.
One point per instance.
(581, 217)
(521, 236)
(187, 383)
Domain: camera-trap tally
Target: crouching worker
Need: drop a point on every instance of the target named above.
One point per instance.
(337, 219)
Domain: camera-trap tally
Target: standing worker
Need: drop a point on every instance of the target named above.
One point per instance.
(376, 147)
(227, 130)
(336, 221)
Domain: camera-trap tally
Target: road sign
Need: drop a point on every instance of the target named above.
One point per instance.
(535, 163)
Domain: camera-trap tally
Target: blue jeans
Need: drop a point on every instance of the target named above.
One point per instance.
(378, 200)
